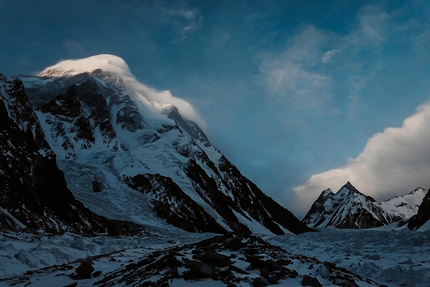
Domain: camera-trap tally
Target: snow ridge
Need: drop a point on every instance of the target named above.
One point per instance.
(349, 208)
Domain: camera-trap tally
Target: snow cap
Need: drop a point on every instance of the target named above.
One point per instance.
(105, 62)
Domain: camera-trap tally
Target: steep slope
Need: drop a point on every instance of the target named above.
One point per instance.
(33, 191)
(348, 208)
(128, 152)
(407, 205)
(423, 214)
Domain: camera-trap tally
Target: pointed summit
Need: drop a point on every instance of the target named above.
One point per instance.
(349, 186)
(348, 208)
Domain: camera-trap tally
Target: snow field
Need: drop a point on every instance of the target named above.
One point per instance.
(389, 257)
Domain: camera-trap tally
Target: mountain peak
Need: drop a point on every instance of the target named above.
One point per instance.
(348, 208)
(114, 71)
(116, 138)
(104, 62)
(349, 186)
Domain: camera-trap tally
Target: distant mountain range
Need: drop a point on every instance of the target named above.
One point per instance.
(349, 208)
(87, 148)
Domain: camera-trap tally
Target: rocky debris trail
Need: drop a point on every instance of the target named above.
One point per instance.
(222, 260)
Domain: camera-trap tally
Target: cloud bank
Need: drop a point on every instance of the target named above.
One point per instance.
(393, 162)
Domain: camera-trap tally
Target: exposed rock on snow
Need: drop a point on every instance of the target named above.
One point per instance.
(98, 118)
(33, 191)
(348, 208)
(217, 261)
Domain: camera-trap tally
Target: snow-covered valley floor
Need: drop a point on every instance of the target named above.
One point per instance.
(391, 258)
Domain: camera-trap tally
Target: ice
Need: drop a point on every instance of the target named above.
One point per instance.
(390, 257)
(23, 252)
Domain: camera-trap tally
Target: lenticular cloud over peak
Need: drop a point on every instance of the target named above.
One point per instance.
(105, 62)
(118, 67)
(393, 162)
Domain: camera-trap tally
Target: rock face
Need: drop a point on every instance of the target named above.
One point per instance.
(348, 208)
(33, 191)
(423, 214)
(127, 154)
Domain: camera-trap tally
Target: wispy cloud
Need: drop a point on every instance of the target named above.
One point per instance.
(295, 77)
(185, 19)
(373, 25)
(323, 72)
(329, 55)
(74, 48)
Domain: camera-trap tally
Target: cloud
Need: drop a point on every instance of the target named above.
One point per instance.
(328, 55)
(373, 24)
(74, 48)
(393, 162)
(295, 77)
(184, 19)
(150, 97)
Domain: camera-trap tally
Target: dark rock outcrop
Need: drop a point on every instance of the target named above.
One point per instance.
(423, 214)
(33, 189)
(220, 259)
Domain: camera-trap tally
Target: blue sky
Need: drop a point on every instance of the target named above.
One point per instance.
(288, 89)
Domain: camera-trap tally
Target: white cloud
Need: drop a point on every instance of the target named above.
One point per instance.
(329, 54)
(117, 66)
(393, 162)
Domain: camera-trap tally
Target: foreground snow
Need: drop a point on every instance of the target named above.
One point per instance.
(389, 257)
(24, 253)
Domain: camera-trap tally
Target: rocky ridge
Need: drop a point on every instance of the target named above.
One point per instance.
(349, 208)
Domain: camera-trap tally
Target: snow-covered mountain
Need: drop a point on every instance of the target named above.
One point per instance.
(348, 208)
(33, 191)
(407, 205)
(131, 153)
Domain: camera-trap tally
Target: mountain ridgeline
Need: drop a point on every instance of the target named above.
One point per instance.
(349, 208)
(101, 138)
